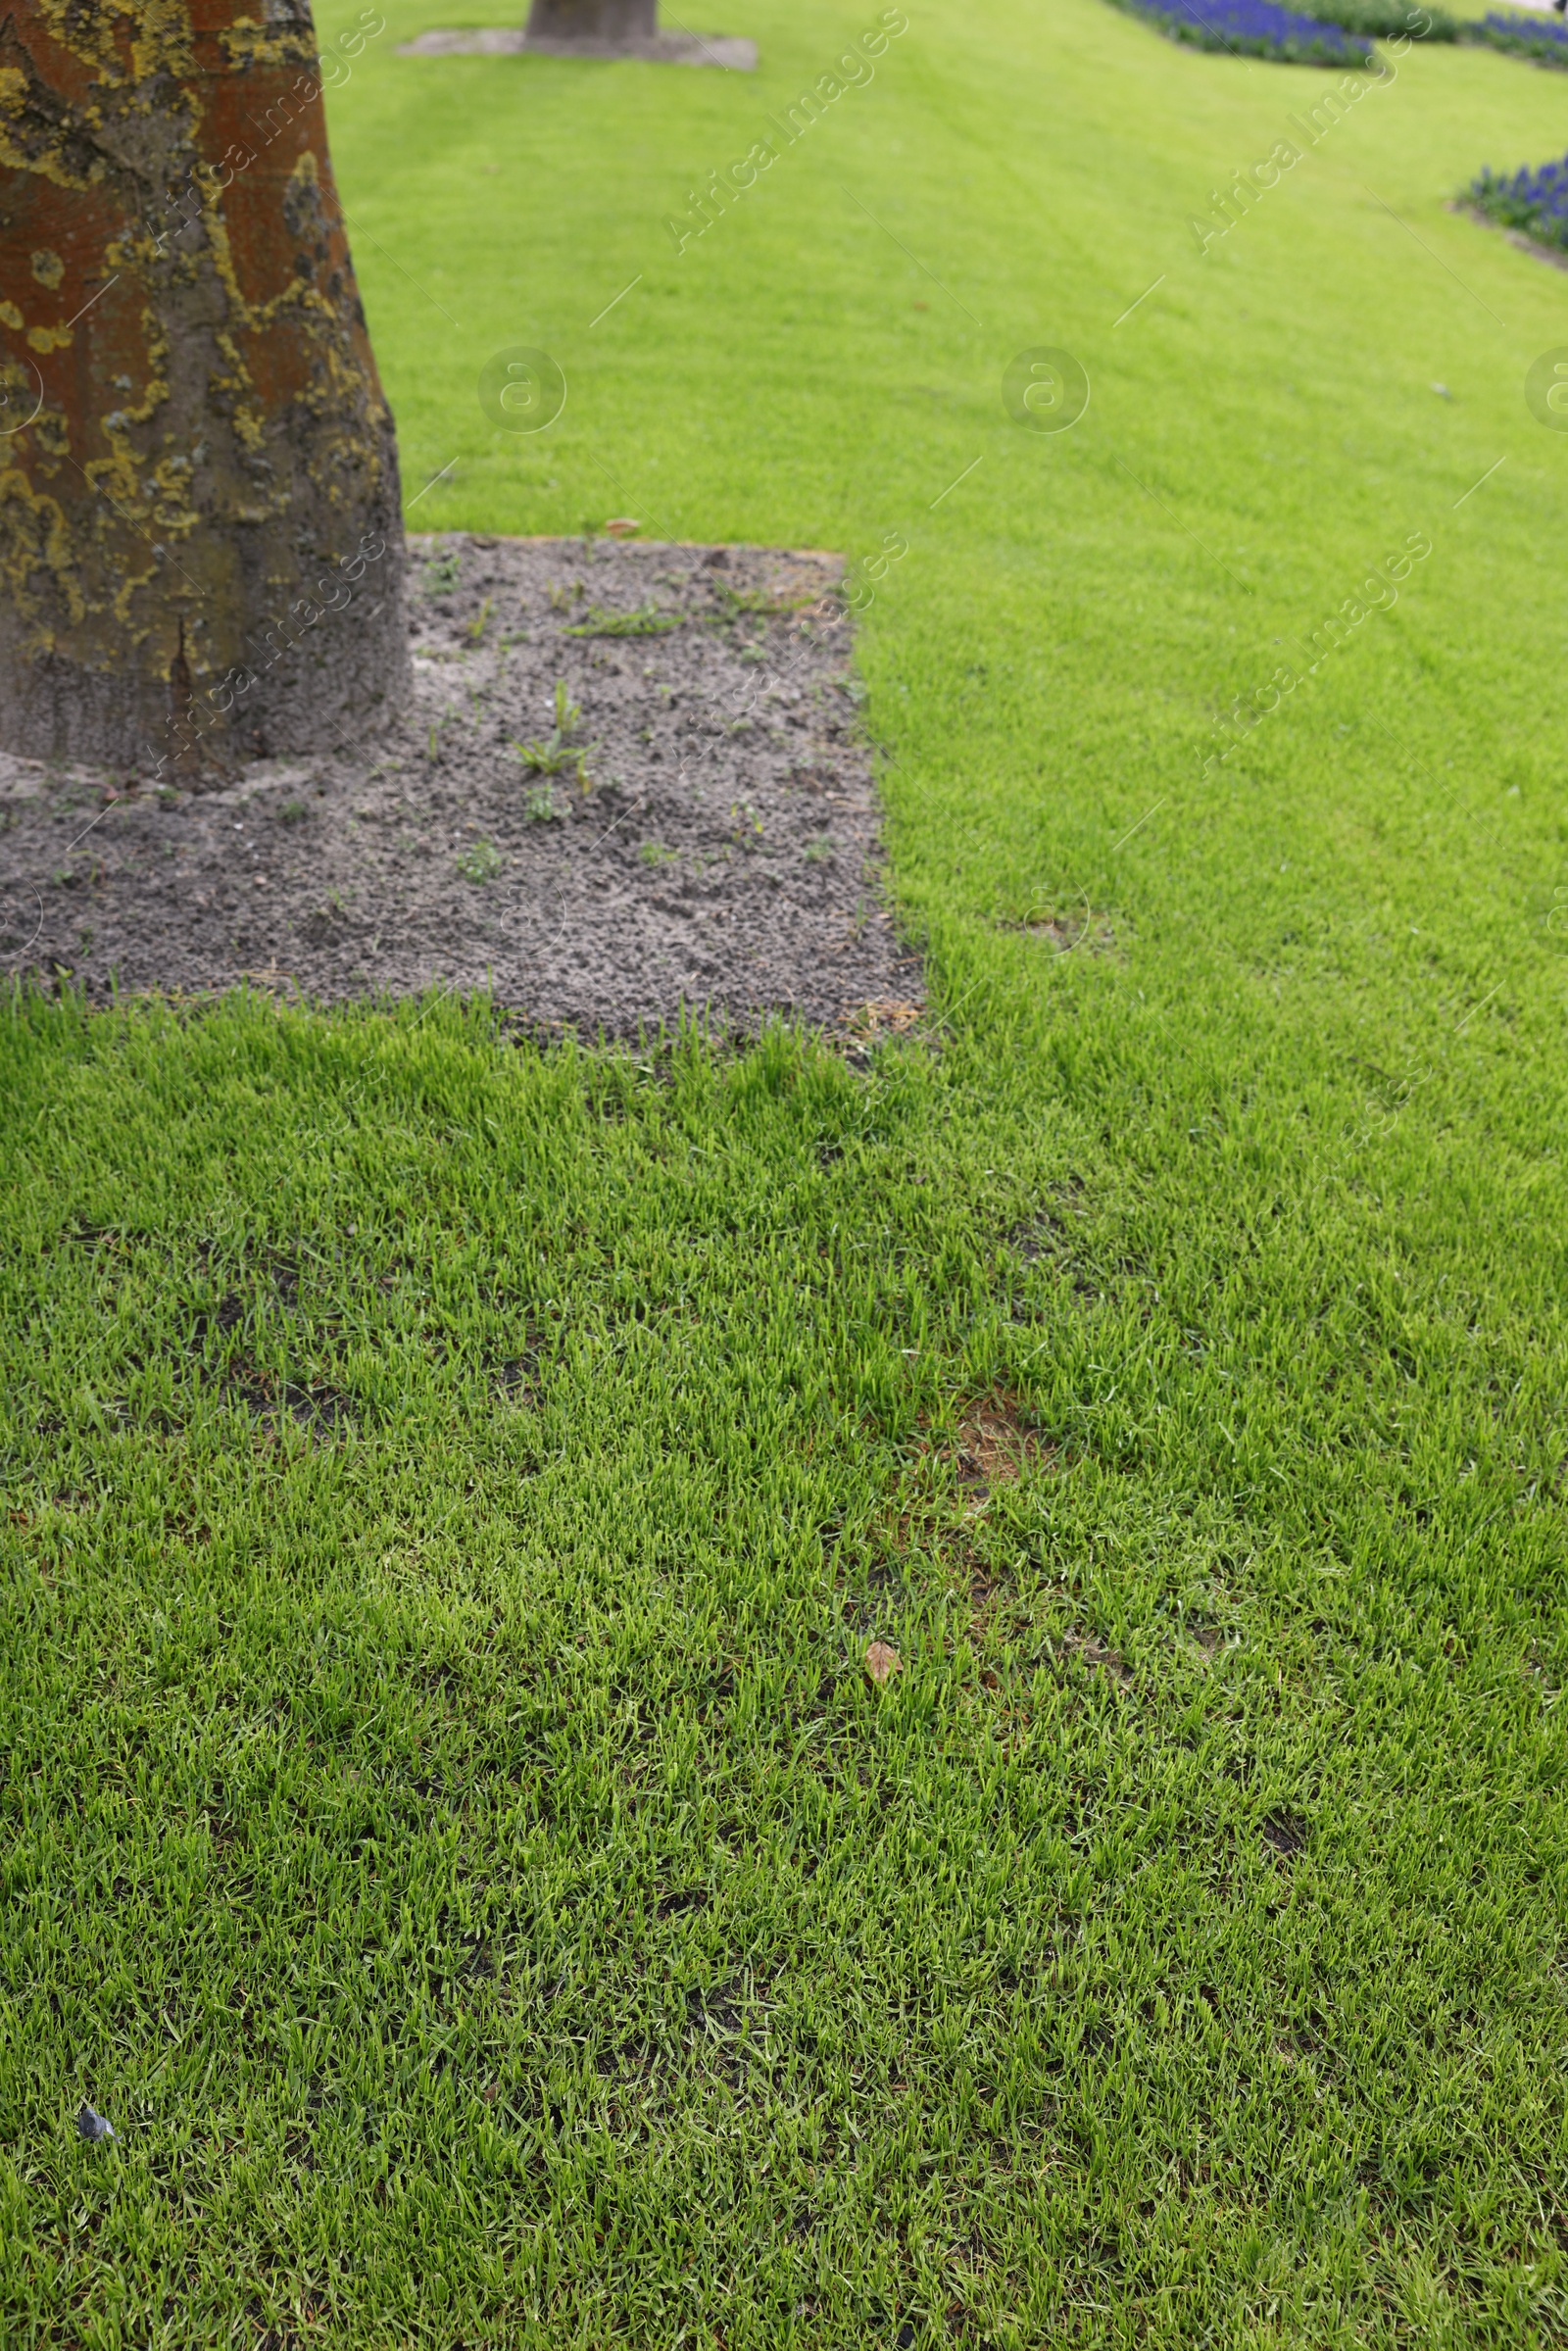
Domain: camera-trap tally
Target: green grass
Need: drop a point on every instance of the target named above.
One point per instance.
(451, 1486)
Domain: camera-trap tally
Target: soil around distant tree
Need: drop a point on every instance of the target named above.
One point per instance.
(632, 787)
(593, 19)
(727, 50)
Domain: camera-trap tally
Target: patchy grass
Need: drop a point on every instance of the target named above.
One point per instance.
(453, 1833)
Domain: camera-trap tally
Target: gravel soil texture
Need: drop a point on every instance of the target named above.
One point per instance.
(631, 786)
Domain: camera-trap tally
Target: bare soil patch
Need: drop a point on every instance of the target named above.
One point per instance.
(994, 1446)
(663, 48)
(631, 785)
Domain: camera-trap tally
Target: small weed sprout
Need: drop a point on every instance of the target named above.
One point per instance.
(821, 849)
(539, 806)
(442, 575)
(646, 620)
(737, 603)
(481, 619)
(654, 852)
(481, 862)
(558, 755)
(293, 812)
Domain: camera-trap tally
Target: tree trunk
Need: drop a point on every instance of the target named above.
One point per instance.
(593, 19)
(201, 539)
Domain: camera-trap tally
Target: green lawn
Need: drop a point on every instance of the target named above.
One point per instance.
(450, 1487)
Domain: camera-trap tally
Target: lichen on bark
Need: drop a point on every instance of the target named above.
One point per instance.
(201, 552)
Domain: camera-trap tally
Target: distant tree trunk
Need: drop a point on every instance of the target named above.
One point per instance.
(593, 19)
(201, 540)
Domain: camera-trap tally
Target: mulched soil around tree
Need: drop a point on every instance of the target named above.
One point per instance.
(631, 786)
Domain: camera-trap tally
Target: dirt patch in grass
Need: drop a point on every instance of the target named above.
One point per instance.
(937, 1520)
(1097, 1655)
(631, 784)
(994, 1448)
(1284, 1833)
(1069, 930)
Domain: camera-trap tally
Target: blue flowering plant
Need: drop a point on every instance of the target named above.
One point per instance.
(1534, 199)
(1543, 38)
(1253, 28)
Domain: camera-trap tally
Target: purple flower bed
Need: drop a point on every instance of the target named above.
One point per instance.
(1251, 28)
(1544, 38)
(1534, 199)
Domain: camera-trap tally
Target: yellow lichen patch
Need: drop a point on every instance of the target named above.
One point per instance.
(132, 581)
(248, 42)
(51, 431)
(34, 537)
(223, 263)
(11, 317)
(157, 391)
(49, 338)
(172, 511)
(161, 40)
(115, 477)
(48, 267)
(48, 166)
(239, 381)
(46, 163)
(135, 248)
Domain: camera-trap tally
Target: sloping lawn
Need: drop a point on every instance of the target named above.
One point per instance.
(450, 1487)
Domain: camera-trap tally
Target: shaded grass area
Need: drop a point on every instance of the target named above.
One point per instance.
(450, 1489)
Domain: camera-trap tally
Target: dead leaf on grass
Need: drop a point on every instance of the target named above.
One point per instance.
(882, 1662)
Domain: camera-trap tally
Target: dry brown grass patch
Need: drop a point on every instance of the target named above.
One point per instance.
(994, 1446)
(880, 1016)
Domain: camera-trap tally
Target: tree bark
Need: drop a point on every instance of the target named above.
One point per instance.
(593, 19)
(201, 540)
